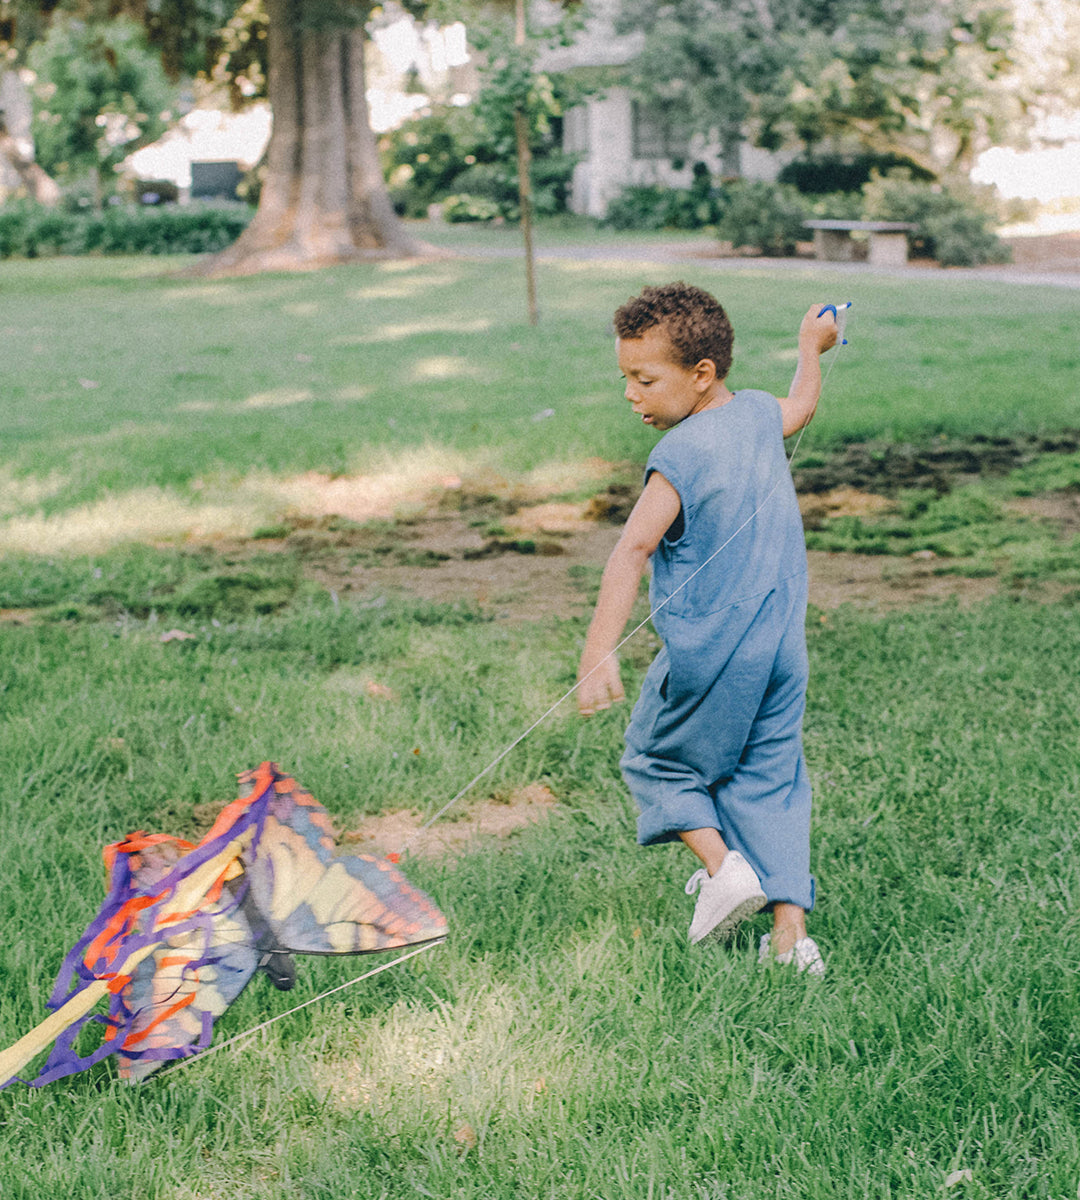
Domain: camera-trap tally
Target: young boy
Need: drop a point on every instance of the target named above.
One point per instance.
(714, 747)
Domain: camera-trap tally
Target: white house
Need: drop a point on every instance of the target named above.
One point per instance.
(618, 139)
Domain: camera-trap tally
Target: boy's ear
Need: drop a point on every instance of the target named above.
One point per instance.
(705, 373)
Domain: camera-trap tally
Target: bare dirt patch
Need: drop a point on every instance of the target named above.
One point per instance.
(529, 561)
(524, 561)
(884, 583)
(455, 833)
(525, 551)
(17, 616)
(885, 468)
(1061, 509)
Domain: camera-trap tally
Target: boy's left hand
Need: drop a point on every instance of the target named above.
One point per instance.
(600, 687)
(818, 331)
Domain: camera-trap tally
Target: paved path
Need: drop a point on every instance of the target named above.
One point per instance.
(699, 254)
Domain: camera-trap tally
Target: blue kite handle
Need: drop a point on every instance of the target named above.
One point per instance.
(836, 316)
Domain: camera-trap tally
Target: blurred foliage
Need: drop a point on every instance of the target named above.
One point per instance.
(653, 206)
(470, 152)
(824, 174)
(931, 81)
(100, 93)
(29, 230)
(952, 227)
(768, 216)
(464, 207)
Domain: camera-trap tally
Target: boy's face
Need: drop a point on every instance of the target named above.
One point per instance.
(662, 392)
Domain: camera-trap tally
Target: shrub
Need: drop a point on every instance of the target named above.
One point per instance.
(448, 152)
(639, 206)
(948, 227)
(842, 206)
(825, 173)
(653, 206)
(768, 216)
(423, 158)
(497, 181)
(30, 231)
(464, 207)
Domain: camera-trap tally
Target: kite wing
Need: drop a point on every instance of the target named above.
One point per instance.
(310, 901)
(183, 928)
(173, 997)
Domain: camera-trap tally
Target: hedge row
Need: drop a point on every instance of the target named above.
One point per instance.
(31, 231)
(952, 227)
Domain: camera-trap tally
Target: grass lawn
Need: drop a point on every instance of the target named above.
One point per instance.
(565, 1043)
(142, 405)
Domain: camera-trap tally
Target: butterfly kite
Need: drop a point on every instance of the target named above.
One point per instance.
(184, 928)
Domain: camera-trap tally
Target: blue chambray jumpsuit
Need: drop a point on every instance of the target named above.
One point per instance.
(715, 739)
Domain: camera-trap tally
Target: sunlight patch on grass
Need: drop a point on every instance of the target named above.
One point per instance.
(444, 366)
(353, 392)
(407, 480)
(406, 287)
(148, 514)
(492, 1055)
(407, 329)
(230, 507)
(560, 478)
(224, 294)
(278, 398)
(589, 265)
(27, 491)
(402, 266)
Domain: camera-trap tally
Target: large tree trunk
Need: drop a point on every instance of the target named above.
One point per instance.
(324, 199)
(35, 182)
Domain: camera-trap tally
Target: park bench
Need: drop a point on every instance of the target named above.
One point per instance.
(887, 241)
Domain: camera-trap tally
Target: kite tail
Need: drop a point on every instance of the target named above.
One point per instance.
(147, 902)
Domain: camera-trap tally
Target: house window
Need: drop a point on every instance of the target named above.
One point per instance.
(656, 135)
(576, 130)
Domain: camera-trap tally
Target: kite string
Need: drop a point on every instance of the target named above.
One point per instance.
(495, 762)
(175, 1066)
(842, 341)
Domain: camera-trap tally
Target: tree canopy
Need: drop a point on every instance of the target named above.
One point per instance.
(100, 94)
(932, 80)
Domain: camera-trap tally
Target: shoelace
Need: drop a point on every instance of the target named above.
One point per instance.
(696, 881)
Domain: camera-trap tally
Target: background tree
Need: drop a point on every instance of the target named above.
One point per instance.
(100, 93)
(706, 63)
(925, 80)
(323, 198)
(516, 103)
(922, 79)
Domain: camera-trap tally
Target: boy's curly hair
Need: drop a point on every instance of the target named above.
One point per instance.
(694, 321)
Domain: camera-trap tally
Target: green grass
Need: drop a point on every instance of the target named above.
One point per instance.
(978, 528)
(142, 405)
(565, 1043)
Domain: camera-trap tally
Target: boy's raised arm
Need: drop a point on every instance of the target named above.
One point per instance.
(654, 513)
(817, 333)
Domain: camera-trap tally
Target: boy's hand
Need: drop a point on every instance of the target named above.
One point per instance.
(600, 689)
(818, 333)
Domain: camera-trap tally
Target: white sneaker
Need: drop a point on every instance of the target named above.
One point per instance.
(726, 898)
(804, 954)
